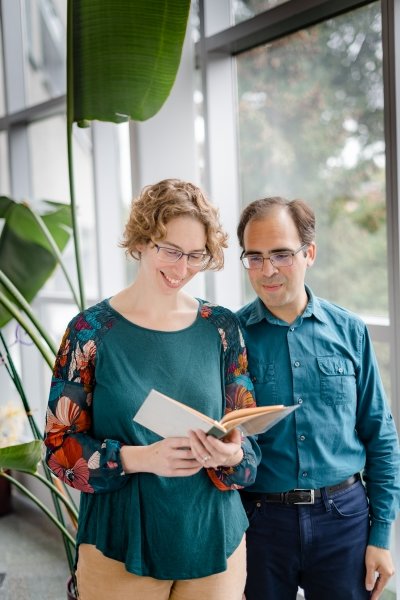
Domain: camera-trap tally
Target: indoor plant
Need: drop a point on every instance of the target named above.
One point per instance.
(139, 51)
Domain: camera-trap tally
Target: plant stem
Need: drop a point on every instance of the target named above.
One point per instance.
(37, 433)
(25, 324)
(55, 491)
(17, 382)
(70, 121)
(40, 504)
(56, 252)
(19, 299)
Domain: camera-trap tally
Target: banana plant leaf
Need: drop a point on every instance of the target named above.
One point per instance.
(22, 457)
(26, 256)
(123, 57)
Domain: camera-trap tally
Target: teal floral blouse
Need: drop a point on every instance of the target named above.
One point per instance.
(104, 369)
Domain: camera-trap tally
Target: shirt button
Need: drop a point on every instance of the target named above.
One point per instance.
(302, 438)
(291, 329)
(300, 401)
(304, 474)
(340, 369)
(296, 363)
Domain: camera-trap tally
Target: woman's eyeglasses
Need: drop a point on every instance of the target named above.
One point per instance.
(194, 259)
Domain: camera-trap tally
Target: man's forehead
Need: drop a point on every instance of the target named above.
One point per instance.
(272, 232)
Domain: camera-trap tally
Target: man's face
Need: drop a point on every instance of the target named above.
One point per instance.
(280, 288)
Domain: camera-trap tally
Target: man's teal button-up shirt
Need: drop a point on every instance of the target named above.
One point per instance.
(325, 362)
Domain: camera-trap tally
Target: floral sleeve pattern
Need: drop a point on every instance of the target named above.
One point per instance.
(238, 394)
(79, 460)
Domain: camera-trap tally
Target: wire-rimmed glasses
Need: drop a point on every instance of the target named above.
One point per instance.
(277, 259)
(171, 255)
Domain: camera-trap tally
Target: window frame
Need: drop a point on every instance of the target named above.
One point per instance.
(219, 42)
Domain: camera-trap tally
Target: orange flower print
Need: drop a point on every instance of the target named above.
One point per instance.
(63, 353)
(205, 311)
(238, 396)
(69, 466)
(82, 362)
(241, 367)
(68, 418)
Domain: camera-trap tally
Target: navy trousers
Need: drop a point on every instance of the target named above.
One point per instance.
(319, 547)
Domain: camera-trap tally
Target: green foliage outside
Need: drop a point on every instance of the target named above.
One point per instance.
(311, 126)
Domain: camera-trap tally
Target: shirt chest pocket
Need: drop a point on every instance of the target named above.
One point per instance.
(264, 381)
(337, 379)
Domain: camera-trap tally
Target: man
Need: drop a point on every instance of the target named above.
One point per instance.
(313, 522)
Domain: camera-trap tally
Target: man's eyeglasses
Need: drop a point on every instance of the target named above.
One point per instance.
(194, 259)
(277, 259)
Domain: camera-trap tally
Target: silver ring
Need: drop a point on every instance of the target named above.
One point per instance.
(206, 458)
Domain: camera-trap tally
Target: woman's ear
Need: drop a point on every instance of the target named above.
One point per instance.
(140, 248)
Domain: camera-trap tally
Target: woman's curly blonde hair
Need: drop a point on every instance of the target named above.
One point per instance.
(157, 204)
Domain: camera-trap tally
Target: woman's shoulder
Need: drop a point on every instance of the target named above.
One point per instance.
(209, 309)
(92, 321)
(223, 319)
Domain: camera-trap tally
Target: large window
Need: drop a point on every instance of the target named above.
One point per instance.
(4, 173)
(48, 146)
(246, 9)
(305, 95)
(34, 167)
(311, 126)
(44, 49)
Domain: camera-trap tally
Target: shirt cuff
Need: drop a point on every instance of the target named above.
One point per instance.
(379, 534)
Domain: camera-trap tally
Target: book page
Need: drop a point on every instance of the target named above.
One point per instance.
(250, 412)
(169, 418)
(261, 422)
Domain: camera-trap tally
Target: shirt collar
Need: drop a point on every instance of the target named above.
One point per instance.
(259, 311)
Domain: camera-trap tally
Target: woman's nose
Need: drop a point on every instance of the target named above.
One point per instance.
(181, 266)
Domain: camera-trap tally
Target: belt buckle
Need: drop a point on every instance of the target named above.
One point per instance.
(312, 496)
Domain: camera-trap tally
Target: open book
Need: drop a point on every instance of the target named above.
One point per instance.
(169, 418)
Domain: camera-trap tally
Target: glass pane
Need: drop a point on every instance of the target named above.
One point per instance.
(57, 316)
(48, 151)
(311, 127)
(45, 49)
(246, 9)
(382, 351)
(2, 87)
(4, 172)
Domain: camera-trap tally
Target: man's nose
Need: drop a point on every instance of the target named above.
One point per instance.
(268, 268)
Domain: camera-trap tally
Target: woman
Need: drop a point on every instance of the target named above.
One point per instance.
(159, 518)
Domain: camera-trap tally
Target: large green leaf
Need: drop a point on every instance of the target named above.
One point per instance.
(23, 457)
(26, 256)
(123, 56)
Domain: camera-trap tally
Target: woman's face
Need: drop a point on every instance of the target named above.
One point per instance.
(184, 234)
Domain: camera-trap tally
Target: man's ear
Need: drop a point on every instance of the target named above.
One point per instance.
(311, 254)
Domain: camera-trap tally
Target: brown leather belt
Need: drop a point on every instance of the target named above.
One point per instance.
(298, 496)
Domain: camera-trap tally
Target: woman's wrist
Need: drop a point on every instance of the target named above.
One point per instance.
(235, 459)
(133, 458)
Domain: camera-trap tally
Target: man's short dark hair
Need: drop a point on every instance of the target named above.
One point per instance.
(302, 214)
